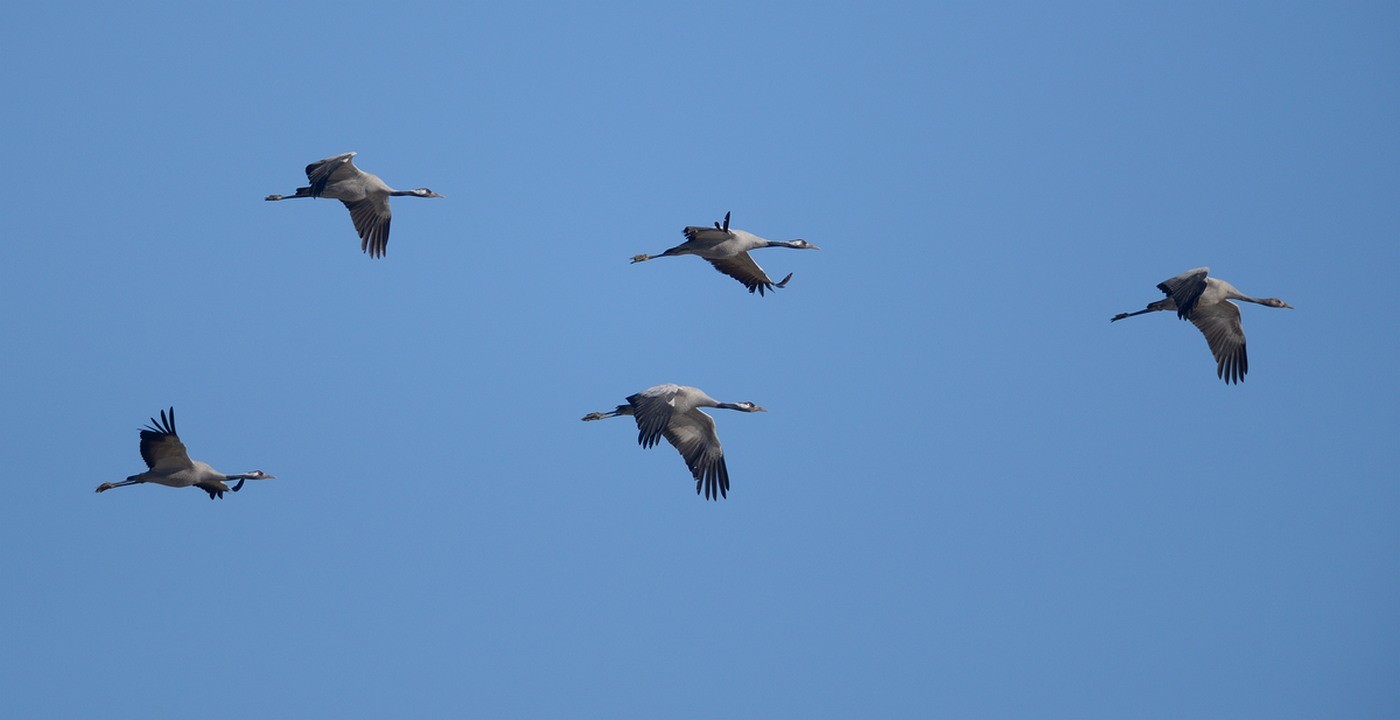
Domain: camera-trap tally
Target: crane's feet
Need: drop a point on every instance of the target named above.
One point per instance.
(586, 418)
(104, 487)
(640, 258)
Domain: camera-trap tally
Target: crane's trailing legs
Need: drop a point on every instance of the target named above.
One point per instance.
(621, 410)
(104, 487)
(302, 192)
(1167, 304)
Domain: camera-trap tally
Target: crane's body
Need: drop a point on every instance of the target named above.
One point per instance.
(1205, 301)
(170, 465)
(727, 249)
(364, 194)
(673, 412)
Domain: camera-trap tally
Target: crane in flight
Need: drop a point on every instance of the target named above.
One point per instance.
(171, 466)
(364, 194)
(728, 251)
(673, 412)
(1205, 301)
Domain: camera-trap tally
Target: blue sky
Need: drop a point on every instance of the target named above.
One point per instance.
(972, 495)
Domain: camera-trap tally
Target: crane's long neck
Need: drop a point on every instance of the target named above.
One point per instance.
(782, 243)
(729, 406)
(401, 193)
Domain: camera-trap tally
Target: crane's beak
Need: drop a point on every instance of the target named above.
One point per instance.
(435, 195)
(810, 246)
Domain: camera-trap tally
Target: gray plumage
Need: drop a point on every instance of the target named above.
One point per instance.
(728, 251)
(1205, 301)
(673, 412)
(171, 466)
(364, 194)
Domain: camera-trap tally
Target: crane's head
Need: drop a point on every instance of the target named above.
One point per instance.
(801, 244)
(258, 475)
(749, 407)
(424, 192)
(1275, 302)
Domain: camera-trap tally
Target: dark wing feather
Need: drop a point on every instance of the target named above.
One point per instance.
(1220, 323)
(705, 237)
(741, 267)
(371, 218)
(652, 411)
(1185, 289)
(161, 447)
(321, 172)
(215, 489)
(693, 435)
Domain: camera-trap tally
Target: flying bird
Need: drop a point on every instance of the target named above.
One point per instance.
(363, 193)
(171, 466)
(728, 250)
(673, 412)
(1205, 301)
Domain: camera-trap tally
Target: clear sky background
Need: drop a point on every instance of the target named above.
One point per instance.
(973, 495)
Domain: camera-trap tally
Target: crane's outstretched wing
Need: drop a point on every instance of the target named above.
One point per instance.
(741, 267)
(323, 172)
(653, 408)
(1220, 323)
(693, 435)
(161, 447)
(371, 218)
(1185, 289)
(702, 238)
(216, 489)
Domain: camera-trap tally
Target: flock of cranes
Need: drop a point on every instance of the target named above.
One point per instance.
(665, 411)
